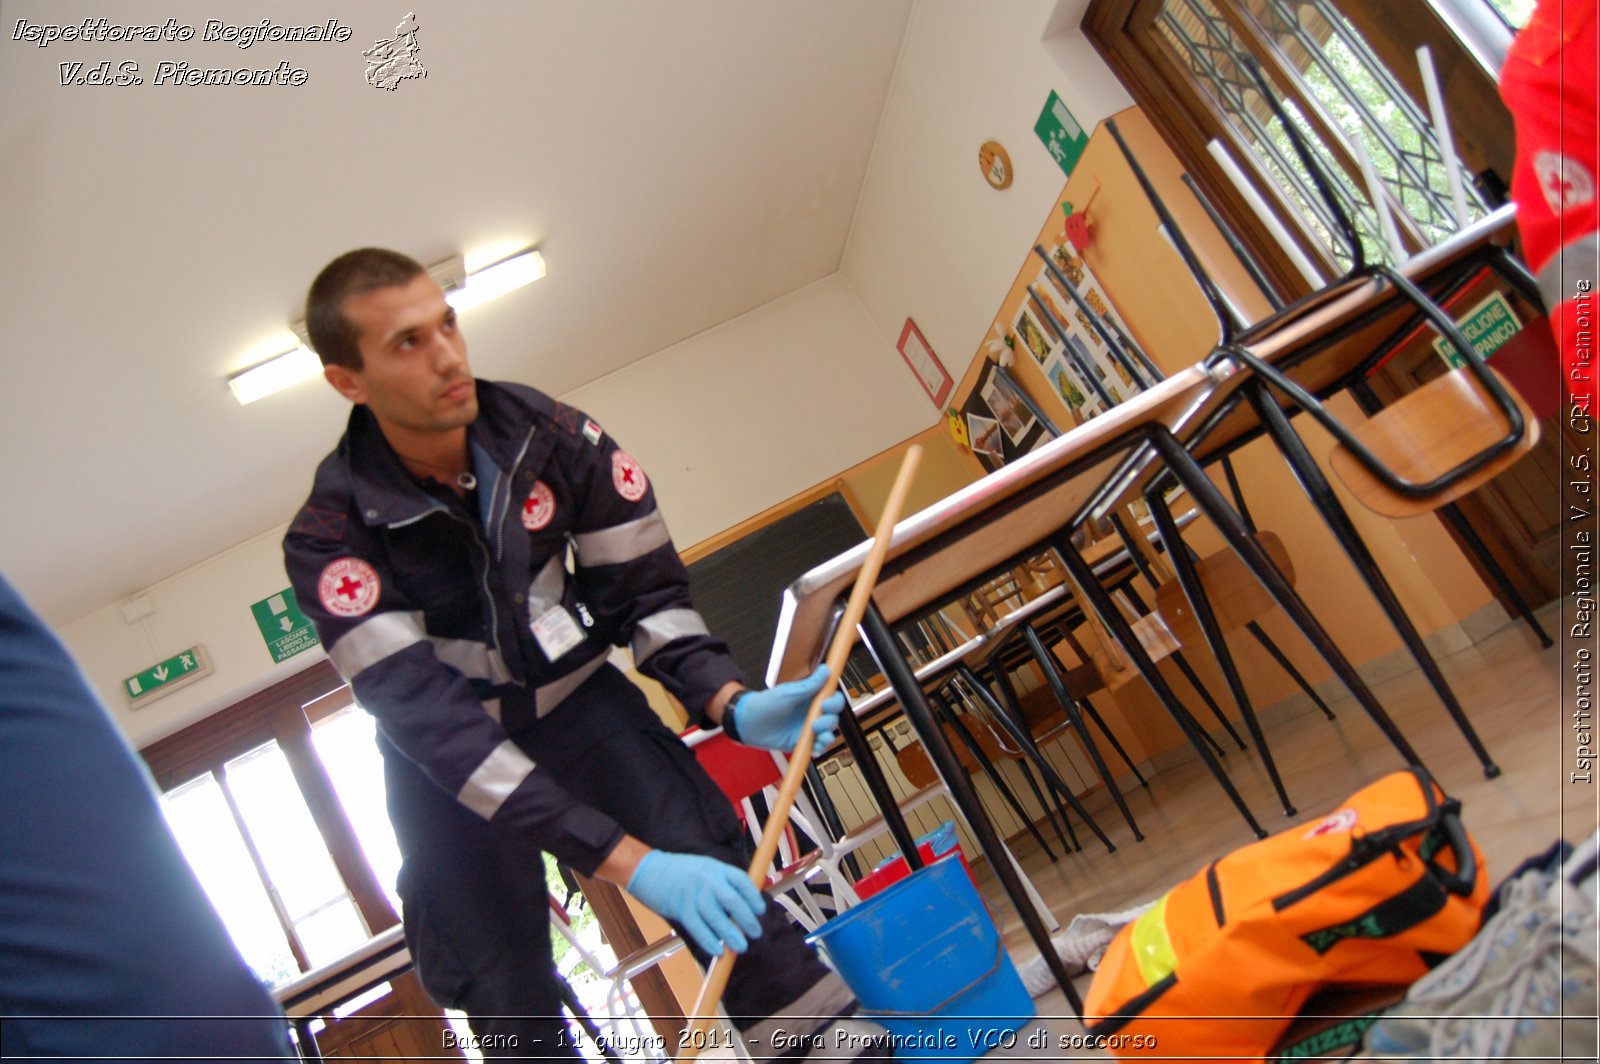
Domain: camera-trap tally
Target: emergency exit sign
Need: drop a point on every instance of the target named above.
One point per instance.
(1061, 134)
(284, 629)
(164, 677)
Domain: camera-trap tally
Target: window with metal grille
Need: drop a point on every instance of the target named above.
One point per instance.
(1345, 102)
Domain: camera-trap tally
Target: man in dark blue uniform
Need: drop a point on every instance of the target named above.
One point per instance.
(471, 553)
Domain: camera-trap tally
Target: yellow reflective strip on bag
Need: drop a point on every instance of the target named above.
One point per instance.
(1152, 948)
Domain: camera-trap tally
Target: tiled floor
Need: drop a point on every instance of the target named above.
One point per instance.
(1521, 699)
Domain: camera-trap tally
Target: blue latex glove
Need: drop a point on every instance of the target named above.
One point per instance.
(772, 719)
(715, 902)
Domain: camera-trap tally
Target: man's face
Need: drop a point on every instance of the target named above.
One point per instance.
(414, 375)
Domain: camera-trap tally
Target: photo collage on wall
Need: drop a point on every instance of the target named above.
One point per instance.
(1003, 422)
(1083, 346)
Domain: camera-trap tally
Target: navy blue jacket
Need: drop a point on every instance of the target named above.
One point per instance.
(463, 630)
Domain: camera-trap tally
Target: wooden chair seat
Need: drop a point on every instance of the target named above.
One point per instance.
(1236, 596)
(918, 769)
(1433, 429)
(1040, 710)
(1158, 640)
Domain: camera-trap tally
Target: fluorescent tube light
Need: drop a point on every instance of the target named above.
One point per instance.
(463, 291)
(494, 281)
(275, 374)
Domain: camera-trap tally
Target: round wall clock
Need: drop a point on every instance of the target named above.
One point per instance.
(995, 163)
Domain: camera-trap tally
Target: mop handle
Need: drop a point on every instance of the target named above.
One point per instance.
(838, 653)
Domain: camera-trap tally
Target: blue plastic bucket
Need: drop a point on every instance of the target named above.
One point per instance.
(927, 963)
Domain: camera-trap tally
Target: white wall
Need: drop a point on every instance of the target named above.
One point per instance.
(932, 241)
(726, 423)
(751, 412)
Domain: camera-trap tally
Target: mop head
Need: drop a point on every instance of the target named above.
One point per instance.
(1080, 947)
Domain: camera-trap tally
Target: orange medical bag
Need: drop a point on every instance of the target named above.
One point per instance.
(1374, 894)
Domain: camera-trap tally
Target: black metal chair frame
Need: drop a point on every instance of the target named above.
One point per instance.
(1270, 378)
(1235, 345)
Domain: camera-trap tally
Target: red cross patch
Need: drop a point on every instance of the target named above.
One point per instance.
(1565, 182)
(1343, 820)
(348, 587)
(628, 476)
(539, 508)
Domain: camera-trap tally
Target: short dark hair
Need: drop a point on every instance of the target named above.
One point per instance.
(333, 337)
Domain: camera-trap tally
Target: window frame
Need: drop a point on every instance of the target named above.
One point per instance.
(283, 713)
(1126, 34)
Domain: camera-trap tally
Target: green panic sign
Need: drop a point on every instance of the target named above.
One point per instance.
(1486, 326)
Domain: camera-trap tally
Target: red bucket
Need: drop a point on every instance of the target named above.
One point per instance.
(930, 848)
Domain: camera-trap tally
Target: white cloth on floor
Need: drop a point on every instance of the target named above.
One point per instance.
(1080, 947)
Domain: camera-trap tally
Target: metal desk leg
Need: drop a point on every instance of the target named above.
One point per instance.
(856, 739)
(1327, 504)
(943, 714)
(1288, 667)
(1052, 677)
(1194, 591)
(880, 640)
(1129, 643)
(1007, 717)
(1214, 506)
(1028, 758)
(1253, 628)
(1018, 731)
(1143, 566)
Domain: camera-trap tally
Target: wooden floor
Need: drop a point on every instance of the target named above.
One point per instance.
(1520, 698)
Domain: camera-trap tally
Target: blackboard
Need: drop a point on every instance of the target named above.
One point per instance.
(739, 588)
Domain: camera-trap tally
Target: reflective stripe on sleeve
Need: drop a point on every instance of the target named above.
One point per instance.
(472, 659)
(374, 639)
(551, 695)
(492, 782)
(1558, 281)
(659, 629)
(624, 542)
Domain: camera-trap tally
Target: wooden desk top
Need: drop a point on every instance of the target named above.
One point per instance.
(976, 529)
(979, 527)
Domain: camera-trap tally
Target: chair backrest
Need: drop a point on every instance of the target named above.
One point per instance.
(1440, 426)
(739, 771)
(918, 768)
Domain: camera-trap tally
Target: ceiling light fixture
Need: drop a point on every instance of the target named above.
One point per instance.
(462, 290)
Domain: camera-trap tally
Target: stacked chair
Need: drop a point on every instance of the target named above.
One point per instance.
(1423, 452)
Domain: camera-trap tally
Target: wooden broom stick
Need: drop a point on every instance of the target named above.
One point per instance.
(838, 652)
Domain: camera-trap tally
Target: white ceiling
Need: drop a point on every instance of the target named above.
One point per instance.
(678, 162)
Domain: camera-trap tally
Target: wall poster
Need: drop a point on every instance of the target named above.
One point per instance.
(1072, 352)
